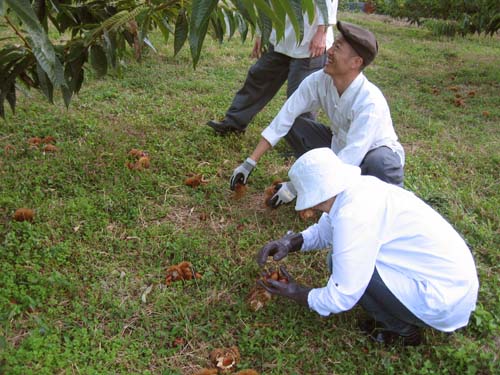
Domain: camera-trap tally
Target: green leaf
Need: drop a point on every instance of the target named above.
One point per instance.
(11, 97)
(181, 31)
(66, 94)
(162, 25)
(9, 80)
(110, 47)
(117, 21)
(293, 9)
(200, 16)
(266, 25)
(41, 45)
(231, 21)
(247, 10)
(321, 4)
(98, 60)
(309, 8)
(41, 12)
(219, 25)
(44, 82)
(263, 7)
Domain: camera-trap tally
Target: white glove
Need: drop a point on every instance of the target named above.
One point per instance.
(241, 173)
(285, 194)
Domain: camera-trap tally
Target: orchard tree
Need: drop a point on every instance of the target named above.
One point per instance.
(446, 17)
(45, 44)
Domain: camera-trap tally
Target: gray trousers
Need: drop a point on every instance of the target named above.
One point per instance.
(383, 306)
(263, 81)
(383, 163)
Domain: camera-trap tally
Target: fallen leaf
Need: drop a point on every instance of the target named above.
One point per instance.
(145, 293)
(436, 91)
(203, 216)
(471, 93)
(458, 96)
(486, 114)
(453, 88)
(459, 102)
(24, 214)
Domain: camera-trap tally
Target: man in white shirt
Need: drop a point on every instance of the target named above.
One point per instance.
(285, 60)
(361, 131)
(390, 252)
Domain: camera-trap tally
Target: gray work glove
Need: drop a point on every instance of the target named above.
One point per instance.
(241, 173)
(280, 248)
(285, 194)
(291, 289)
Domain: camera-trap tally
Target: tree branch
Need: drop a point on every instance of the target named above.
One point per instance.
(18, 33)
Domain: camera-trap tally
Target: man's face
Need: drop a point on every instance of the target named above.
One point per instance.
(341, 58)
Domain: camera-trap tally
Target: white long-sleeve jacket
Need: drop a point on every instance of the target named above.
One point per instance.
(420, 257)
(360, 119)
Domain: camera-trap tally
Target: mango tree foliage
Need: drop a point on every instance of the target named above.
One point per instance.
(99, 33)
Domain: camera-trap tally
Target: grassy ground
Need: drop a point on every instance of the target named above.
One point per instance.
(71, 282)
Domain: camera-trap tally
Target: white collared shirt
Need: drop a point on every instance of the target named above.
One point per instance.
(420, 257)
(360, 118)
(288, 44)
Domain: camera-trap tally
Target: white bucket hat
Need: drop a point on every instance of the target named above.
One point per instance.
(319, 175)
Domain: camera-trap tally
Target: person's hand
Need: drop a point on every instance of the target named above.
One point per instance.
(317, 46)
(241, 173)
(257, 48)
(280, 248)
(285, 193)
(291, 289)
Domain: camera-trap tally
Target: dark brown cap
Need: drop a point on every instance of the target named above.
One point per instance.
(361, 40)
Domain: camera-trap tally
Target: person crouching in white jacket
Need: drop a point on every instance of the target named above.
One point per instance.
(390, 252)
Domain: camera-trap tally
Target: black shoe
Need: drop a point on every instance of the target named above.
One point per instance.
(378, 334)
(223, 127)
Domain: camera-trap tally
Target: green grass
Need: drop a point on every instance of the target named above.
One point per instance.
(71, 281)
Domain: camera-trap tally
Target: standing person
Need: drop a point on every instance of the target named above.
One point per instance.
(390, 252)
(361, 131)
(285, 60)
